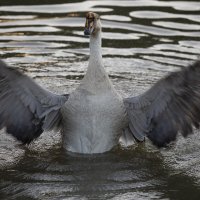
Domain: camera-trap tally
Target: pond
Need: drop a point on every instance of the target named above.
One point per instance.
(143, 40)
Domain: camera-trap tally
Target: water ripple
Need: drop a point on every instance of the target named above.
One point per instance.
(116, 18)
(44, 38)
(159, 15)
(56, 8)
(89, 5)
(79, 22)
(176, 25)
(17, 17)
(29, 29)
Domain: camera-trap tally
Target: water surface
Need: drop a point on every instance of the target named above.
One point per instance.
(143, 40)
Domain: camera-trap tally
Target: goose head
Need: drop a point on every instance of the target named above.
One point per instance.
(92, 24)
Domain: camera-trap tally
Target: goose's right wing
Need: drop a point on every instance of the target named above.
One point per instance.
(26, 109)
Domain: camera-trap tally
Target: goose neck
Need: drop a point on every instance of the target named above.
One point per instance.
(95, 49)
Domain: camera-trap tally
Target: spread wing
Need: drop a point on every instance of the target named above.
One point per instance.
(26, 109)
(171, 106)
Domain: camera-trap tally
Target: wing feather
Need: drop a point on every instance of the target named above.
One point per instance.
(26, 109)
(171, 106)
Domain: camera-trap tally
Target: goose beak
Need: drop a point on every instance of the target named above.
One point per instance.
(89, 26)
(86, 31)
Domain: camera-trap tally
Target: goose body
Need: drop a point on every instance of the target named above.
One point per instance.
(94, 115)
(94, 118)
(92, 122)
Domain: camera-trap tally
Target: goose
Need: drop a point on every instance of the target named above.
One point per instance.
(94, 118)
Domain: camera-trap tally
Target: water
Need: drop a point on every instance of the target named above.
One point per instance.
(143, 40)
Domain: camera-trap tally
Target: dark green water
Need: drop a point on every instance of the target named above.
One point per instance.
(142, 41)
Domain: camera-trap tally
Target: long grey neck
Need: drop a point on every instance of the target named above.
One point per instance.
(96, 78)
(95, 50)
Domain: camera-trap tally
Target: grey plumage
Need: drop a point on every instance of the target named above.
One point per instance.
(26, 109)
(171, 106)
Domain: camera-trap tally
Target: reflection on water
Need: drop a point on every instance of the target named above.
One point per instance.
(142, 41)
(134, 174)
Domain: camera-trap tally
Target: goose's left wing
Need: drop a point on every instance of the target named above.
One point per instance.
(171, 106)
